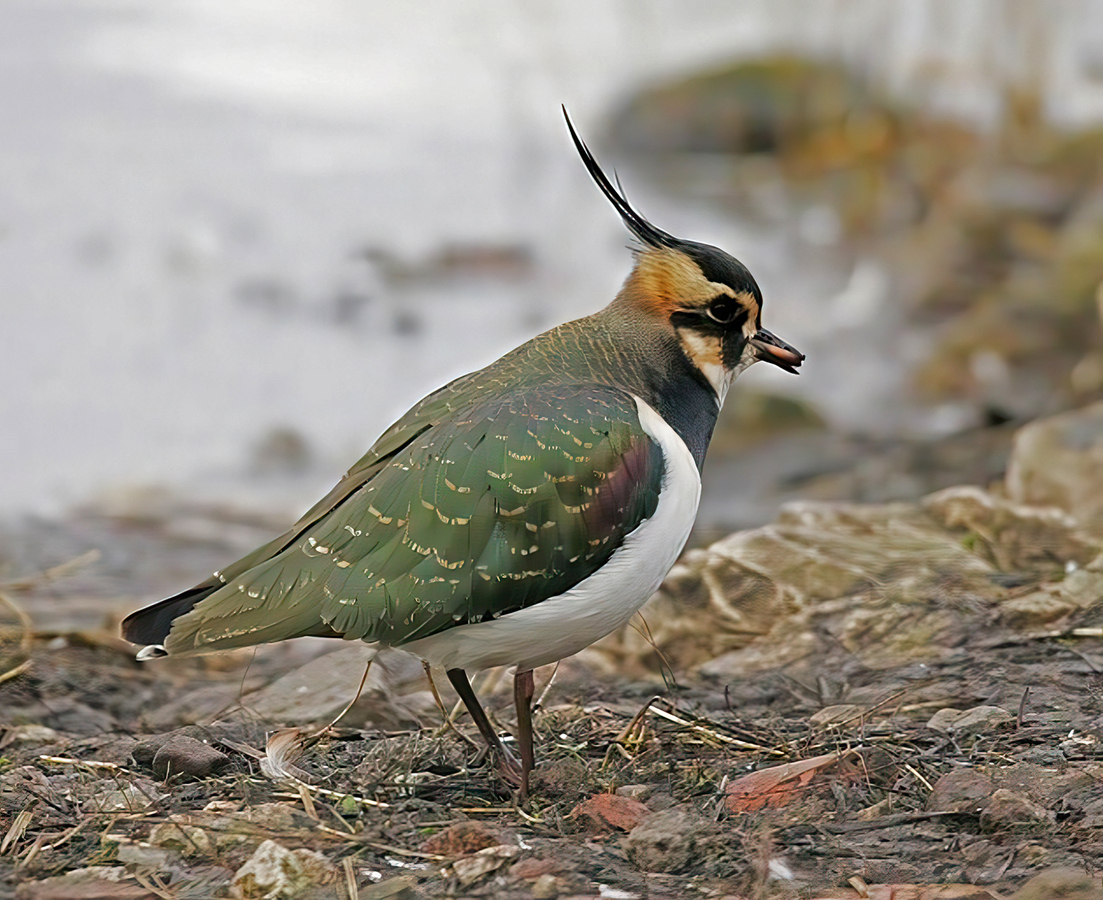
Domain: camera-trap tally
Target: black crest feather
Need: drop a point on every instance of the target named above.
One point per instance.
(637, 224)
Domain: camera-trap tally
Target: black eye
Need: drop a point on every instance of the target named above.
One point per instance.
(722, 309)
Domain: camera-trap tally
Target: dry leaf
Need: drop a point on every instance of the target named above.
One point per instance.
(777, 785)
(603, 812)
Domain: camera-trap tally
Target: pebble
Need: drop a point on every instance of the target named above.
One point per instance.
(960, 791)
(1060, 884)
(1007, 809)
(179, 754)
(274, 871)
(400, 887)
(976, 720)
(672, 840)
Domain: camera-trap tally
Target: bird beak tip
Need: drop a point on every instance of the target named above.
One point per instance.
(772, 349)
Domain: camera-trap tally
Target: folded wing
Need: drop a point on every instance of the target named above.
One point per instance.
(505, 504)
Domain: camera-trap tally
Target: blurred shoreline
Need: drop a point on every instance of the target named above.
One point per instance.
(231, 227)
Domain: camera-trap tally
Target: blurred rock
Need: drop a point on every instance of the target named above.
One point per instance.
(134, 854)
(452, 262)
(134, 797)
(93, 883)
(30, 734)
(1013, 535)
(993, 242)
(470, 869)
(187, 840)
(962, 791)
(749, 416)
(228, 829)
(546, 887)
(1061, 884)
(675, 840)
(462, 839)
(770, 105)
(978, 720)
(282, 451)
(323, 687)
(1007, 809)
(201, 705)
(401, 887)
(273, 871)
(176, 754)
(1058, 461)
(756, 588)
(889, 582)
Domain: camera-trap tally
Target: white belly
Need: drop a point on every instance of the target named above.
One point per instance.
(561, 626)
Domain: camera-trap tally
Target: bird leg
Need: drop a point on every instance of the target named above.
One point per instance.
(448, 725)
(523, 689)
(507, 763)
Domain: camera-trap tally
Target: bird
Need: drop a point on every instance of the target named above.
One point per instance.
(521, 512)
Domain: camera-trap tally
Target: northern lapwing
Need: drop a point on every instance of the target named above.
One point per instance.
(521, 512)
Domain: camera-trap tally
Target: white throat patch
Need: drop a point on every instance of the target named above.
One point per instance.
(706, 353)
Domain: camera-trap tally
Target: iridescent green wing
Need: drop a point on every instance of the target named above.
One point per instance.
(152, 624)
(512, 501)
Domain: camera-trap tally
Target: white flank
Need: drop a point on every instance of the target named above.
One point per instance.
(561, 626)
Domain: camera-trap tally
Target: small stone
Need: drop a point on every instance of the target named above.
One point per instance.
(977, 720)
(130, 798)
(399, 888)
(670, 841)
(546, 887)
(1060, 884)
(1079, 745)
(943, 719)
(533, 867)
(981, 719)
(229, 828)
(142, 855)
(839, 714)
(470, 869)
(1035, 609)
(1006, 809)
(187, 840)
(179, 754)
(638, 792)
(1059, 461)
(462, 839)
(92, 883)
(32, 734)
(274, 871)
(876, 811)
(960, 791)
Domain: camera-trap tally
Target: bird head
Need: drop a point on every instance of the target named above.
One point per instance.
(706, 296)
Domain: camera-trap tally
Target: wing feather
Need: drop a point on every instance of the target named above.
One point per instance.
(507, 504)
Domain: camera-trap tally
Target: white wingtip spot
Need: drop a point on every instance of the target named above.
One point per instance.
(152, 651)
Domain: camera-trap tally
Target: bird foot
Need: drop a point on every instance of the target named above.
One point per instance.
(511, 771)
(508, 768)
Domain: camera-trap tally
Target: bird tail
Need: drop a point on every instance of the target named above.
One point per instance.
(152, 624)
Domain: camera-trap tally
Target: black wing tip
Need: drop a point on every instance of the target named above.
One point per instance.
(637, 224)
(152, 624)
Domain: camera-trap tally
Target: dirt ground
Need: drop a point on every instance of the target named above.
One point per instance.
(831, 778)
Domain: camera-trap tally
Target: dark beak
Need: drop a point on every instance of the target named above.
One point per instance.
(772, 349)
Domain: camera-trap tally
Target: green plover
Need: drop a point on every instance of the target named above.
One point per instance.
(521, 512)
